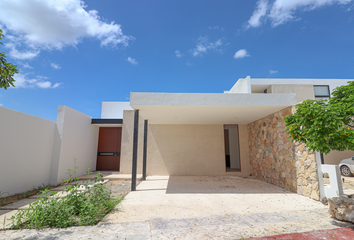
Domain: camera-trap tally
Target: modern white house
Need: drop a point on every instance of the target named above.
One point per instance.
(239, 132)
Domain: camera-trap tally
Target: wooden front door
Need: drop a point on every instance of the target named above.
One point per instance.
(108, 157)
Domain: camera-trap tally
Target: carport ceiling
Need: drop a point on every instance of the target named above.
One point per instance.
(208, 108)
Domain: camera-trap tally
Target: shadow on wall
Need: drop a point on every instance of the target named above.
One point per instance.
(220, 185)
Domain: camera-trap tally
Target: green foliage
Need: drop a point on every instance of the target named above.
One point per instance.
(7, 70)
(71, 207)
(72, 174)
(325, 125)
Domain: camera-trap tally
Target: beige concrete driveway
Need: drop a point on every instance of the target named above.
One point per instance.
(198, 207)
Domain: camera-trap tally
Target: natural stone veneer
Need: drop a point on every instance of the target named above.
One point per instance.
(276, 159)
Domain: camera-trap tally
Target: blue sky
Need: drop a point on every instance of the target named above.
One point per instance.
(80, 53)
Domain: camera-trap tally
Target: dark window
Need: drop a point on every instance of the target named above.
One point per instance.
(321, 91)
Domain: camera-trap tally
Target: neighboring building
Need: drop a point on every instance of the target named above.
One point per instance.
(240, 132)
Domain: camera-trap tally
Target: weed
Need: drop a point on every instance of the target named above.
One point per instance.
(2, 200)
(76, 205)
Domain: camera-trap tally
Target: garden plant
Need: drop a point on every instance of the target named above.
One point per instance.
(77, 205)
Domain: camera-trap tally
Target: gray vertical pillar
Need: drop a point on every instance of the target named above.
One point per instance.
(145, 148)
(135, 148)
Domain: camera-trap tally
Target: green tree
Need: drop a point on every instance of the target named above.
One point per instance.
(7, 70)
(325, 125)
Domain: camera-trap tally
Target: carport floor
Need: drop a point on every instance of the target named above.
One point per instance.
(201, 207)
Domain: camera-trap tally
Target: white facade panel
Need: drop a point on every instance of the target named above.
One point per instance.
(114, 109)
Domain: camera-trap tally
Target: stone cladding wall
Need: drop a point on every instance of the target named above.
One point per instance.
(277, 160)
(307, 178)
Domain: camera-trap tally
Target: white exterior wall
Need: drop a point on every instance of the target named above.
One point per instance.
(78, 140)
(114, 109)
(333, 83)
(26, 144)
(241, 86)
(303, 92)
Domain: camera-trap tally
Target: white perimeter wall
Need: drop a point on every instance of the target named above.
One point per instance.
(26, 144)
(36, 151)
(76, 138)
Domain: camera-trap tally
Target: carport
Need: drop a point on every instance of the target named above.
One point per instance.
(190, 133)
(220, 207)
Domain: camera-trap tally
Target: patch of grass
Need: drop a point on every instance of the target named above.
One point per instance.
(73, 208)
(17, 197)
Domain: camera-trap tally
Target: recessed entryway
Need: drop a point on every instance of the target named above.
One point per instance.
(232, 149)
(109, 144)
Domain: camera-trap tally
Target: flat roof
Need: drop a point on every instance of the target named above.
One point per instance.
(208, 108)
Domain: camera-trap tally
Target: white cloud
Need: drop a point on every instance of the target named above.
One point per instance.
(258, 14)
(282, 11)
(178, 53)
(55, 66)
(132, 60)
(53, 24)
(22, 81)
(26, 65)
(203, 46)
(216, 27)
(1, 105)
(273, 71)
(27, 54)
(47, 84)
(241, 54)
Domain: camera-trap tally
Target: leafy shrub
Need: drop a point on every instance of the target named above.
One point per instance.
(76, 205)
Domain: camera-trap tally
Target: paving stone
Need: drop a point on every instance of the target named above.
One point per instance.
(82, 185)
(4, 216)
(42, 195)
(22, 204)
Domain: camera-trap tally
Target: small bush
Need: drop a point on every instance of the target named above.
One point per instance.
(73, 208)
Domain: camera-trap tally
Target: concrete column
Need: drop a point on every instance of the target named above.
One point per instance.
(135, 149)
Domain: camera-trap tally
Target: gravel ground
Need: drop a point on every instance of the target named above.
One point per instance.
(120, 188)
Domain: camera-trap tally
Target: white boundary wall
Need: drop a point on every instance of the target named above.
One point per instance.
(36, 151)
(76, 138)
(26, 144)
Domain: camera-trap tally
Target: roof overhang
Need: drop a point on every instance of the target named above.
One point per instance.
(208, 108)
(107, 122)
